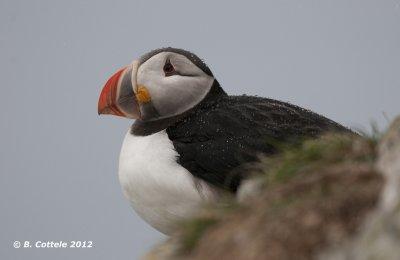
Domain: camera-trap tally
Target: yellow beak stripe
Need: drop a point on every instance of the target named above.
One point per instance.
(143, 95)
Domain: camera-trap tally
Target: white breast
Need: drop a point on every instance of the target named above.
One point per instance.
(159, 189)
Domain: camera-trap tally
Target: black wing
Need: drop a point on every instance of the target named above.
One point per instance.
(215, 141)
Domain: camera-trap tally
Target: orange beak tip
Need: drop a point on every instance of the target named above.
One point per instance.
(107, 101)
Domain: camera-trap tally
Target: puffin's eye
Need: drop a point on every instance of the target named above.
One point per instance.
(168, 68)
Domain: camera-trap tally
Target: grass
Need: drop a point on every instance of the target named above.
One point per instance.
(316, 153)
(297, 161)
(193, 230)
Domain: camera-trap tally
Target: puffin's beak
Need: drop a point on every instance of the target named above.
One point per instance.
(118, 95)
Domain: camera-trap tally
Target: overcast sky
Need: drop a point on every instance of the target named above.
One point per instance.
(58, 163)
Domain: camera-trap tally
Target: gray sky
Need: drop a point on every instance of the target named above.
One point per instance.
(59, 159)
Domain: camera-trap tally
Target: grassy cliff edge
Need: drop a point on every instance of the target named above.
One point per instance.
(312, 200)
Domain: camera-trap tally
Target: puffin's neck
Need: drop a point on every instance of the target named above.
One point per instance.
(213, 96)
(143, 128)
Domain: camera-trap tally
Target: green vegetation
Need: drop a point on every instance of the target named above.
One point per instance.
(193, 230)
(292, 165)
(314, 154)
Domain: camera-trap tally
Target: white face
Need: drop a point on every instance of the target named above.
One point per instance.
(172, 93)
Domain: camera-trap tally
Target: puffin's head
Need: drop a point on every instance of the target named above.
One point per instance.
(161, 84)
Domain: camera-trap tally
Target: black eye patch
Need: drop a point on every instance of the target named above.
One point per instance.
(169, 69)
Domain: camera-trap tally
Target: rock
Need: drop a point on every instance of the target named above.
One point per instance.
(250, 189)
(166, 250)
(337, 197)
(380, 236)
(389, 165)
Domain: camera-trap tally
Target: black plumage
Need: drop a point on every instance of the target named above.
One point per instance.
(191, 56)
(223, 133)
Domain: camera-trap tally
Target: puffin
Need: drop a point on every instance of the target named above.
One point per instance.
(191, 143)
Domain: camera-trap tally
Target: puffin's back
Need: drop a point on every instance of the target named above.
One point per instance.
(222, 135)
